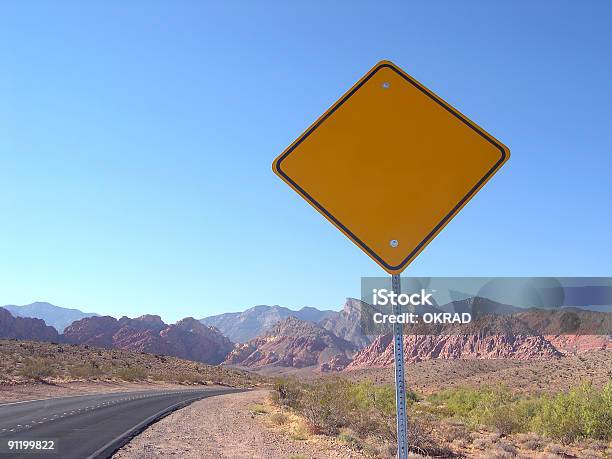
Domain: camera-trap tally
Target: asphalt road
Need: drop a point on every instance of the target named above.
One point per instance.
(89, 425)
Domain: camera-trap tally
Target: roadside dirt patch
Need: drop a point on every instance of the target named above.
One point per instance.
(227, 427)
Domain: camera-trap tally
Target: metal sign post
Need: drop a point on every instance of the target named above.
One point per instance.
(400, 381)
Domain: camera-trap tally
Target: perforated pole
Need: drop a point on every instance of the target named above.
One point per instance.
(400, 384)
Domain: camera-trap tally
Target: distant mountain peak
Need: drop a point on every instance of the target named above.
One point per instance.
(244, 326)
(347, 323)
(43, 304)
(55, 316)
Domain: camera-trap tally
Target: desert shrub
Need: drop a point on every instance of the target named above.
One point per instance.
(492, 407)
(300, 431)
(454, 431)
(357, 412)
(36, 369)
(160, 376)
(189, 378)
(85, 371)
(463, 402)
(421, 438)
(530, 441)
(507, 447)
(257, 408)
(499, 453)
(557, 450)
(506, 417)
(349, 438)
(279, 419)
(329, 404)
(484, 442)
(582, 412)
(131, 373)
(287, 392)
(379, 397)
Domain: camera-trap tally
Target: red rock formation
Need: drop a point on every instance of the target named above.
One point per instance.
(292, 343)
(26, 328)
(141, 340)
(93, 331)
(577, 344)
(196, 341)
(427, 347)
(187, 339)
(520, 335)
(146, 321)
(240, 353)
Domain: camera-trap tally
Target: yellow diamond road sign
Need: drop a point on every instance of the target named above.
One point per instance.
(390, 164)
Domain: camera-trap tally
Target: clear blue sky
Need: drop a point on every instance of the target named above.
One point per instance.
(136, 140)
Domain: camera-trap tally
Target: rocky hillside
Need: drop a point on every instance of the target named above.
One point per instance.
(526, 335)
(55, 316)
(428, 347)
(244, 326)
(579, 344)
(26, 361)
(345, 324)
(25, 328)
(294, 343)
(333, 343)
(187, 339)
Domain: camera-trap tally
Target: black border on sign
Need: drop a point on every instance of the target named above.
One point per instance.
(433, 232)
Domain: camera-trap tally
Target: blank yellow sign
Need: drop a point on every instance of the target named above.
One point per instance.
(390, 164)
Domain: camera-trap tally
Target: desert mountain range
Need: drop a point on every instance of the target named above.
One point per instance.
(244, 326)
(309, 338)
(188, 338)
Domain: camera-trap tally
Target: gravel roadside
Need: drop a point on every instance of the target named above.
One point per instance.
(224, 427)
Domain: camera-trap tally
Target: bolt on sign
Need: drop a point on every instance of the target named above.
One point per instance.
(390, 164)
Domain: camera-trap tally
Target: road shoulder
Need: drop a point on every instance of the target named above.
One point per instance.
(228, 426)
